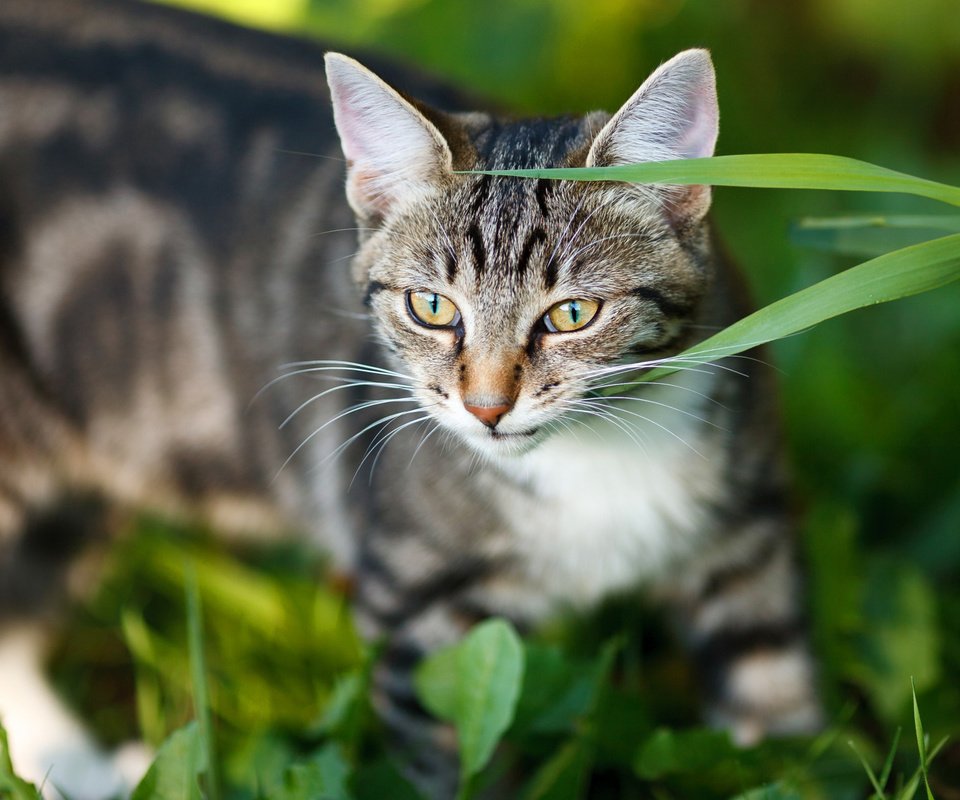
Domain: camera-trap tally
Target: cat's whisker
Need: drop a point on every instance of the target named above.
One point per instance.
(349, 385)
(309, 155)
(377, 447)
(632, 432)
(308, 370)
(338, 230)
(376, 423)
(335, 364)
(664, 384)
(422, 442)
(653, 422)
(352, 410)
(649, 401)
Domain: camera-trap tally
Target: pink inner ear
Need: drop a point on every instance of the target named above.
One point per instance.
(699, 138)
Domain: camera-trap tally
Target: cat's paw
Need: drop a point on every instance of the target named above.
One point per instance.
(82, 771)
(769, 694)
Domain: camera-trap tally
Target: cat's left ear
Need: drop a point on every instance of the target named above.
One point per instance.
(394, 153)
(674, 114)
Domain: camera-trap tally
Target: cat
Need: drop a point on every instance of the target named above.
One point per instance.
(166, 245)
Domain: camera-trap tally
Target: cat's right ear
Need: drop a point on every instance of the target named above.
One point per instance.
(395, 155)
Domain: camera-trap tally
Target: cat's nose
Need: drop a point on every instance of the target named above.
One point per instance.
(488, 415)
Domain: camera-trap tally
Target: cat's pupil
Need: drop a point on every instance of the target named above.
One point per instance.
(574, 312)
(434, 303)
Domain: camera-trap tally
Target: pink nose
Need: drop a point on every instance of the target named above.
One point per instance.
(488, 415)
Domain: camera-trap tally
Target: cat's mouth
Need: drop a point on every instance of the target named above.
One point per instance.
(514, 436)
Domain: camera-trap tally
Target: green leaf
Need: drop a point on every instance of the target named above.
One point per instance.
(556, 692)
(198, 673)
(870, 235)
(877, 785)
(905, 272)
(475, 685)
(900, 635)
(564, 775)
(921, 739)
(323, 777)
(11, 786)
(668, 752)
(763, 170)
(175, 772)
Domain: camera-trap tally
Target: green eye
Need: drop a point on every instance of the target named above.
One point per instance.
(432, 309)
(570, 315)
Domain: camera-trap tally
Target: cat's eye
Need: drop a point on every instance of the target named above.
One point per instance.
(432, 309)
(570, 315)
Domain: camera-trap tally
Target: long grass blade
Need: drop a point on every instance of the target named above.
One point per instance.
(760, 170)
(905, 272)
(870, 235)
(198, 670)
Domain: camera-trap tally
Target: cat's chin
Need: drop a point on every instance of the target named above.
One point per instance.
(496, 444)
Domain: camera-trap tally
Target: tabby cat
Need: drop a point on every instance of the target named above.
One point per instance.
(166, 246)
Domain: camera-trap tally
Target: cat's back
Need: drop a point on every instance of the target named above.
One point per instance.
(164, 181)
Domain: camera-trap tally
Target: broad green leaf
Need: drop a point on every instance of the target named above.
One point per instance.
(175, 772)
(11, 786)
(763, 170)
(323, 777)
(556, 691)
(475, 685)
(905, 272)
(668, 752)
(900, 636)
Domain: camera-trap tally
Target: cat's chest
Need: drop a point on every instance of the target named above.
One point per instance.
(596, 511)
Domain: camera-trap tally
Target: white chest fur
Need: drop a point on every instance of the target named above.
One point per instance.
(596, 511)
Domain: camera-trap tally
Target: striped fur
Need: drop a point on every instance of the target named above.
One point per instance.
(165, 247)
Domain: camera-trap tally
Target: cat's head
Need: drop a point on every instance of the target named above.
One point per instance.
(503, 298)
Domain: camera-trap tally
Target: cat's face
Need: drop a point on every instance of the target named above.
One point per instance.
(502, 299)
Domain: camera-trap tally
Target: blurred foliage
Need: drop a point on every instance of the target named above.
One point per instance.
(871, 403)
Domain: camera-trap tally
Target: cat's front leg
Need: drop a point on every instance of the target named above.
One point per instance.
(741, 610)
(408, 597)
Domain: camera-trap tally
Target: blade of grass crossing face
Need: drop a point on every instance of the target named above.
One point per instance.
(905, 272)
(760, 170)
(198, 671)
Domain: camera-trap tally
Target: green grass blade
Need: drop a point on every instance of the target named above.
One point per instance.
(760, 170)
(938, 222)
(198, 672)
(877, 785)
(905, 272)
(921, 740)
(888, 764)
(869, 236)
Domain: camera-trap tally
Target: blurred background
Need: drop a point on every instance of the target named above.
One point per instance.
(872, 400)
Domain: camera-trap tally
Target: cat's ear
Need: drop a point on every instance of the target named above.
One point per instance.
(394, 153)
(674, 114)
